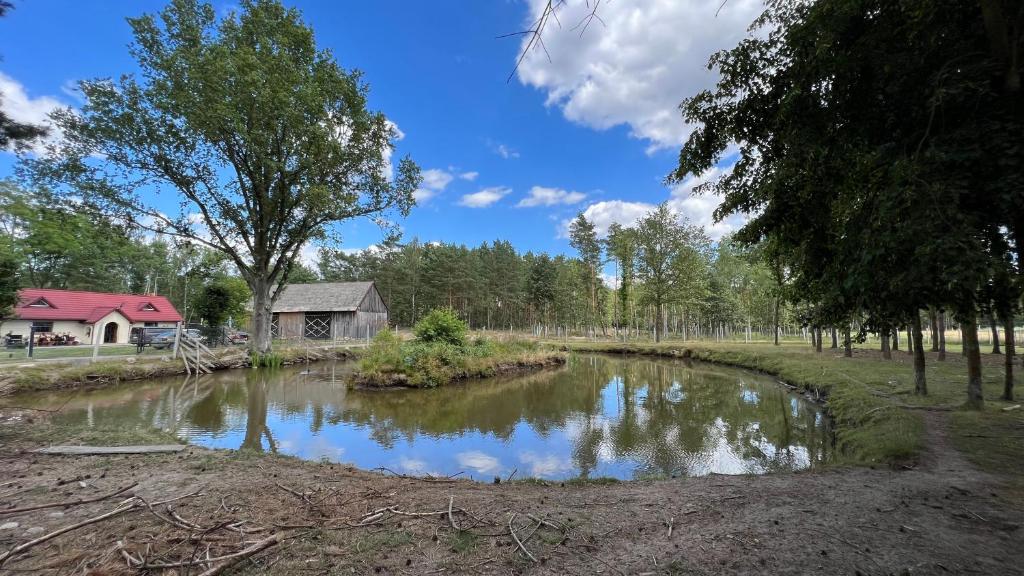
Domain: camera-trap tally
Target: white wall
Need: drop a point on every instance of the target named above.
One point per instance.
(75, 328)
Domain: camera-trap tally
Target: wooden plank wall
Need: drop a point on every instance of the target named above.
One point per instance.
(290, 324)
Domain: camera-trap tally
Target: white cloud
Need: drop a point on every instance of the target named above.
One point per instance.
(502, 150)
(434, 182)
(700, 209)
(485, 197)
(399, 136)
(469, 176)
(436, 179)
(20, 107)
(543, 196)
(636, 68)
(604, 214)
(545, 466)
(478, 461)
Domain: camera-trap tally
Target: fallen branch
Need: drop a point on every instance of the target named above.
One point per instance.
(516, 538)
(132, 504)
(451, 518)
(67, 504)
(228, 559)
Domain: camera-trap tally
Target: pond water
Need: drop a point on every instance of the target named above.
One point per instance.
(624, 417)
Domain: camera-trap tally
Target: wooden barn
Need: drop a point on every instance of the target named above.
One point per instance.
(329, 311)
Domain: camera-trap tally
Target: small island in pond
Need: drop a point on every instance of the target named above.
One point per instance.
(441, 354)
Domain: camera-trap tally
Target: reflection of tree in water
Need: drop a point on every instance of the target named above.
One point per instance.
(663, 416)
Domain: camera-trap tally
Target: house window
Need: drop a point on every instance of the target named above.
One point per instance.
(42, 326)
(40, 303)
(151, 324)
(148, 307)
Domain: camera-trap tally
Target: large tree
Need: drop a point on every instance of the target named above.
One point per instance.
(671, 261)
(262, 141)
(862, 126)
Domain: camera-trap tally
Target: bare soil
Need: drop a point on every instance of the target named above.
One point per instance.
(941, 516)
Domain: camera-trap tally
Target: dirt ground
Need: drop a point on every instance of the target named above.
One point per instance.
(268, 514)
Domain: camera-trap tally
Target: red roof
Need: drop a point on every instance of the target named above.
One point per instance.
(90, 307)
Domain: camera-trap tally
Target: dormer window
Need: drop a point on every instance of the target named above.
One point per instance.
(148, 307)
(40, 303)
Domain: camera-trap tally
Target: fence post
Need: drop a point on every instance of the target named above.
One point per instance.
(177, 341)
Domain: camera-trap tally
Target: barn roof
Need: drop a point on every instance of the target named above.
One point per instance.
(89, 307)
(322, 297)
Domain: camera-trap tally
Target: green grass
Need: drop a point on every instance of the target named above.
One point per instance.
(993, 439)
(81, 351)
(866, 396)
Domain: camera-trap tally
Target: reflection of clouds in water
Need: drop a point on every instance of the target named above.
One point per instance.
(675, 393)
(478, 461)
(320, 448)
(751, 397)
(412, 465)
(542, 466)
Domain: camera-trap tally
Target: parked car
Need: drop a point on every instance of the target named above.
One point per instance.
(151, 336)
(238, 337)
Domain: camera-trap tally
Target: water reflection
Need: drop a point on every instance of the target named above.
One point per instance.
(601, 415)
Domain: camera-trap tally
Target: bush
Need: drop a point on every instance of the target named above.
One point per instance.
(383, 354)
(441, 325)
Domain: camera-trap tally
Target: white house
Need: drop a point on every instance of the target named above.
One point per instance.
(88, 315)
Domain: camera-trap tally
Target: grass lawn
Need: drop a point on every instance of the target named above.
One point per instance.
(57, 352)
(878, 417)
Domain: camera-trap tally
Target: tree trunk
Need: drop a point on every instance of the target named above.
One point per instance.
(896, 339)
(995, 333)
(775, 320)
(886, 352)
(1008, 361)
(817, 339)
(260, 342)
(835, 338)
(969, 326)
(941, 327)
(917, 339)
(657, 322)
(847, 343)
(911, 344)
(934, 317)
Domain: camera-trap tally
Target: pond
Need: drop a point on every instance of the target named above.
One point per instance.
(624, 417)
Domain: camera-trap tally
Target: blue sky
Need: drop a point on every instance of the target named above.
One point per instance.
(595, 129)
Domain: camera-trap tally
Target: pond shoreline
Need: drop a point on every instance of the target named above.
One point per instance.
(869, 428)
(104, 373)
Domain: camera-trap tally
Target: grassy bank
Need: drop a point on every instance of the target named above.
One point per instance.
(52, 376)
(390, 362)
(877, 416)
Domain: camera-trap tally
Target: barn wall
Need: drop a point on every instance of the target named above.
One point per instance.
(290, 324)
(373, 302)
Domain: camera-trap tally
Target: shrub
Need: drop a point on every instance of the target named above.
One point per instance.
(441, 325)
(384, 352)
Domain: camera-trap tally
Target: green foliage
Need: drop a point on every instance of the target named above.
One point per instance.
(270, 360)
(221, 299)
(441, 325)
(423, 364)
(252, 92)
(8, 281)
